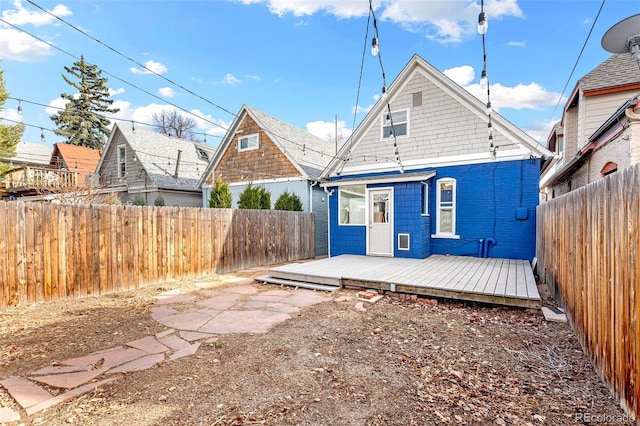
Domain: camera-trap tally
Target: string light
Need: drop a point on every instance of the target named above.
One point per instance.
(42, 138)
(483, 25)
(19, 106)
(375, 48)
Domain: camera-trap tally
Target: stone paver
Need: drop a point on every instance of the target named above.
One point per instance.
(175, 343)
(190, 350)
(256, 321)
(67, 395)
(8, 415)
(70, 380)
(238, 308)
(149, 345)
(143, 363)
(25, 392)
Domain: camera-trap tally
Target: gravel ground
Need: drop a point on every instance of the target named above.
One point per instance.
(400, 361)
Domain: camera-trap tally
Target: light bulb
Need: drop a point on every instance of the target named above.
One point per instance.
(490, 130)
(375, 48)
(483, 24)
(19, 106)
(484, 80)
(42, 138)
(489, 109)
(384, 93)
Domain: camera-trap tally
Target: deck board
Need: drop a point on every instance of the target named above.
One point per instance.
(493, 280)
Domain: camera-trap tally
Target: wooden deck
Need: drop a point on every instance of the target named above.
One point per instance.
(497, 281)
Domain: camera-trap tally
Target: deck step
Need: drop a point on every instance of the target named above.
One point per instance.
(300, 284)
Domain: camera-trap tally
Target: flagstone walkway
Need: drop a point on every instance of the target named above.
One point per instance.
(191, 319)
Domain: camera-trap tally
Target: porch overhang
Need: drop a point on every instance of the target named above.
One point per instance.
(406, 177)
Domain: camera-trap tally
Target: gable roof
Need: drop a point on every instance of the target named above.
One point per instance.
(158, 154)
(617, 71)
(417, 64)
(82, 159)
(31, 153)
(308, 153)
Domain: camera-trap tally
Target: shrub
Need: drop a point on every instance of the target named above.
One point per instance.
(255, 197)
(139, 201)
(159, 201)
(288, 201)
(220, 195)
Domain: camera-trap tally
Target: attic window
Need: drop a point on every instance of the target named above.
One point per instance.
(417, 99)
(400, 124)
(249, 142)
(202, 154)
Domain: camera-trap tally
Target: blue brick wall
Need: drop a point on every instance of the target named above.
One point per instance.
(487, 197)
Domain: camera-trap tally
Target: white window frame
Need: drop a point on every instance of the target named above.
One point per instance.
(122, 162)
(440, 208)
(425, 198)
(250, 146)
(341, 213)
(385, 123)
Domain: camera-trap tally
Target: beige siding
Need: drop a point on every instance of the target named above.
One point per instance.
(440, 127)
(571, 133)
(598, 109)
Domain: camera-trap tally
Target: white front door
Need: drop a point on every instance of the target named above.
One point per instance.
(380, 222)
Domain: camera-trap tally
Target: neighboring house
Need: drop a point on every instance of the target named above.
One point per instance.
(259, 149)
(69, 167)
(29, 154)
(585, 148)
(447, 194)
(145, 166)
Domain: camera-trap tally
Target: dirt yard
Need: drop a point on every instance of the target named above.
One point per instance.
(400, 362)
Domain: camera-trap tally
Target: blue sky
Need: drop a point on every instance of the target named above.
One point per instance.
(298, 60)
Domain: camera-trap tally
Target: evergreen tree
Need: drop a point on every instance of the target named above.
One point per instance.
(255, 197)
(220, 195)
(82, 121)
(9, 135)
(288, 201)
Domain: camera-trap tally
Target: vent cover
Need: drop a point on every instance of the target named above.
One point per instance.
(403, 241)
(417, 99)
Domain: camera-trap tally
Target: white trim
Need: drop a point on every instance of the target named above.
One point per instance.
(364, 196)
(379, 179)
(247, 137)
(424, 198)
(449, 236)
(264, 181)
(400, 248)
(457, 160)
(391, 222)
(120, 163)
(454, 207)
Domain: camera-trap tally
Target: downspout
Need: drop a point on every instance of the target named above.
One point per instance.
(329, 194)
(315, 182)
(480, 247)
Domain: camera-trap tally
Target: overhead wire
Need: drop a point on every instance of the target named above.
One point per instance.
(116, 51)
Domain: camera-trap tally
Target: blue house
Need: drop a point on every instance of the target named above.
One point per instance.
(419, 176)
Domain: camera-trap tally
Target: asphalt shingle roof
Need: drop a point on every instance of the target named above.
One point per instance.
(618, 70)
(158, 154)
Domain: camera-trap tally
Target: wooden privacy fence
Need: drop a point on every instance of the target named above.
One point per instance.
(52, 251)
(587, 248)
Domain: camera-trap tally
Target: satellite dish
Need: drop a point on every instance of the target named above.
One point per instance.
(623, 36)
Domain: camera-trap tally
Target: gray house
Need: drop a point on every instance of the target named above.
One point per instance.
(147, 166)
(261, 150)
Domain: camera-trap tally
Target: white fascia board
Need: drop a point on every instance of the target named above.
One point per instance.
(264, 181)
(458, 160)
(380, 179)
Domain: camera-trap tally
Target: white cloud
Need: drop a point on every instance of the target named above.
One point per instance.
(230, 79)
(365, 109)
(114, 92)
(152, 67)
(11, 115)
(253, 77)
(55, 106)
(18, 46)
(462, 75)
(449, 21)
(522, 43)
(22, 16)
(327, 130)
(167, 92)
